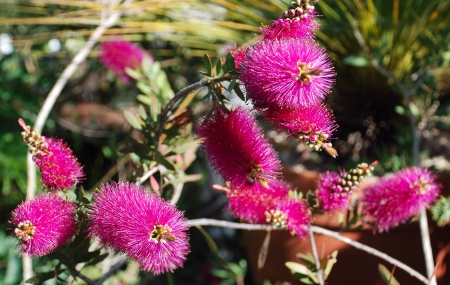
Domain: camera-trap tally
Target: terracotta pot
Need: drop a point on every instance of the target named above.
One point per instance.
(353, 266)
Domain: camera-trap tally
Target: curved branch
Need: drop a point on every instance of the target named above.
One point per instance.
(318, 230)
(112, 270)
(183, 92)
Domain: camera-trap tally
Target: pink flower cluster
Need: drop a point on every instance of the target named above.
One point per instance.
(59, 168)
(397, 198)
(129, 219)
(43, 224)
(287, 75)
(235, 146)
(117, 55)
(330, 192)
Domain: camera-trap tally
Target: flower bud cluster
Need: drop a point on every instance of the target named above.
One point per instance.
(334, 190)
(299, 9)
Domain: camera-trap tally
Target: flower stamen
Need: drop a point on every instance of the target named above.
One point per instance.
(307, 73)
(25, 231)
(161, 234)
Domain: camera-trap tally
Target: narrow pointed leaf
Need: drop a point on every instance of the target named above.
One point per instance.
(264, 250)
(131, 118)
(208, 64)
(386, 275)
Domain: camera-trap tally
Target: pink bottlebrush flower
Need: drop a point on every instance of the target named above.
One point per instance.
(397, 198)
(43, 224)
(331, 193)
(287, 72)
(235, 146)
(313, 124)
(297, 28)
(59, 168)
(119, 54)
(127, 218)
(293, 214)
(249, 205)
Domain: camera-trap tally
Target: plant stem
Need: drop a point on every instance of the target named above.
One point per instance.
(183, 92)
(112, 270)
(319, 230)
(316, 258)
(74, 271)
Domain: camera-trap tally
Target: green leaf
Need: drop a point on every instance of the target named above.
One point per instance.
(414, 109)
(357, 60)
(307, 258)
(219, 67)
(162, 160)
(182, 144)
(132, 119)
(133, 73)
(40, 278)
(144, 99)
(298, 268)
(231, 85)
(229, 64)
(155, 109)
(208, 64)
(387, 275)
(239, 92)
(332, 259)
(341, 220)
(262, 256)
(214, 249)
(440, 211)
(146, 64)
(85, 257)
(98, 259)
(147, 90)
(142, 112)
(186, 178)
(400, 110)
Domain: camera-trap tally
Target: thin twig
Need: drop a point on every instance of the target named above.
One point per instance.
(177, 190)
(319, 230)
(371, 251)
(74, 271)
(147, 175)
(316, 258)
(231, 225)
(112, 270)
(111, 172)
(183, 92)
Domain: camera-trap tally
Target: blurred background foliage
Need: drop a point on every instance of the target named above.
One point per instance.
(410, 39)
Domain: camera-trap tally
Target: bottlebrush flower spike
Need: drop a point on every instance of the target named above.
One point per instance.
(234, 145)
(249, 205)
(127, 218)
(399, 197)
(59, 168)
(296, 23)
(43, 224)
(334, 190)
(291, 213)
(313, 124)
(117, 55)
(287, 72)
